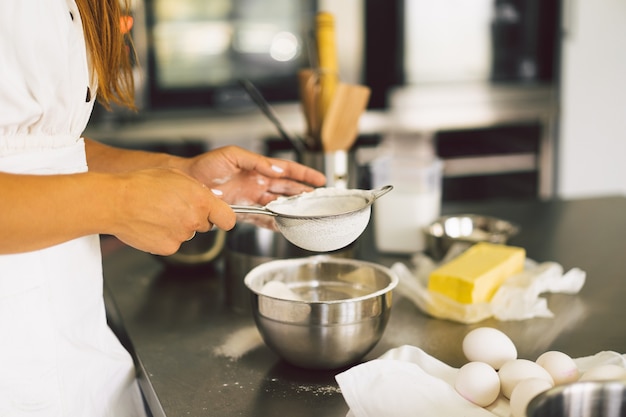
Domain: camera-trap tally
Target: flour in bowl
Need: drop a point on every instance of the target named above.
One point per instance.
(279, 289)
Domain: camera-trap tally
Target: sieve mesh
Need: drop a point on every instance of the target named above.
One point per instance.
(323, 220)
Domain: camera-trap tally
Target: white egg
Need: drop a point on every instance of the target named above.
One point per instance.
(489, 345)
(560, 366)
(478, 382)
(605, 372)
(512, 372)
(525, 391)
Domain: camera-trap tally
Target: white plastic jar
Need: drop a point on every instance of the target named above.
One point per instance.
(411, 166)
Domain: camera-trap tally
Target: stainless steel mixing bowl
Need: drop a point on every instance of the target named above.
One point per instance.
(581, 399)
(341, 313)
(248, 246)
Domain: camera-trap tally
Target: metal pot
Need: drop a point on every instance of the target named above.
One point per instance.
(202, 249)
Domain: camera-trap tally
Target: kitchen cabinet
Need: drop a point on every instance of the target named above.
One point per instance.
(501, 161)
(484, 132)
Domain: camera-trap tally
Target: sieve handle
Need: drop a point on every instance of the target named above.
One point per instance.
(379, 192)
(251, 210)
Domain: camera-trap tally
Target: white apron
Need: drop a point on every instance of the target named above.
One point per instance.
(58, 357)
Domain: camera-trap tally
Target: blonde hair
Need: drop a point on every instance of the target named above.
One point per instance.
(110, 50)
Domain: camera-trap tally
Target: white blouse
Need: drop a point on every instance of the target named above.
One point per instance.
(45, 81)
(58, 357)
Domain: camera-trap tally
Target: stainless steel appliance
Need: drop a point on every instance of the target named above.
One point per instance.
(192, 52)
(412, 42)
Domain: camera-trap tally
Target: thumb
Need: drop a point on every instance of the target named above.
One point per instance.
(220, 213)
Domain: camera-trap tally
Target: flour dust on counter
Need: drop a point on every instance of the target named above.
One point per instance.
(319, 390)
(239, 343)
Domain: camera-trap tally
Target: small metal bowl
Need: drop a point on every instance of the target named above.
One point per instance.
(581, 399)
(468, 229)
(341, 313)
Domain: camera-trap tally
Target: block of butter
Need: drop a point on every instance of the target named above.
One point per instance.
(475, 275)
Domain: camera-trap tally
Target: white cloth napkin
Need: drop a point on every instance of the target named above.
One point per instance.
(517, 299)
(406, 381)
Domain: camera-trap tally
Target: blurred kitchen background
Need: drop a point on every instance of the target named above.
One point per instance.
(519, 98)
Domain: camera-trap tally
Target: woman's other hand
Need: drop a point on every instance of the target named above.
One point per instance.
(248, 178)
(160, 208)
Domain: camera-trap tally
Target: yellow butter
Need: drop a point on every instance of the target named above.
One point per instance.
(476, 274)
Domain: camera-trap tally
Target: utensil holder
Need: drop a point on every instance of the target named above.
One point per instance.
(339, 167)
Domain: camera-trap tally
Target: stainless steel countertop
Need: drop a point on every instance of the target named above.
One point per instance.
(172, 319)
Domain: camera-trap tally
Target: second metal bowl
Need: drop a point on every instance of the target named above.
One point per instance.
(581, 399)
(468, 229)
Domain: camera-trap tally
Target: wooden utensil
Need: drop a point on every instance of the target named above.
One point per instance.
(308, 86)
(341, 124)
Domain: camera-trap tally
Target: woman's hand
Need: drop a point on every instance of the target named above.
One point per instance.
(247, 178)
(161, 208)
(151, 209)
(164, 199)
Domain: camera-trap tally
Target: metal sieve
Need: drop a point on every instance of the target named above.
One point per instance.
(323, 220)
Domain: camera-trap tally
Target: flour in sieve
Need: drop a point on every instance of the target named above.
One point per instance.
(323, 220)
(323, 235)
(320, 202)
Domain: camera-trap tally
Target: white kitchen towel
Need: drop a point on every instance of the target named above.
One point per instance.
(407, 382)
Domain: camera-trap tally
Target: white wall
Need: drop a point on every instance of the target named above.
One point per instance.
(462, 54)
(591, 158)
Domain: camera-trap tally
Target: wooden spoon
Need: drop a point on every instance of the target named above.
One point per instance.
(341, 123)
(308, 86)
